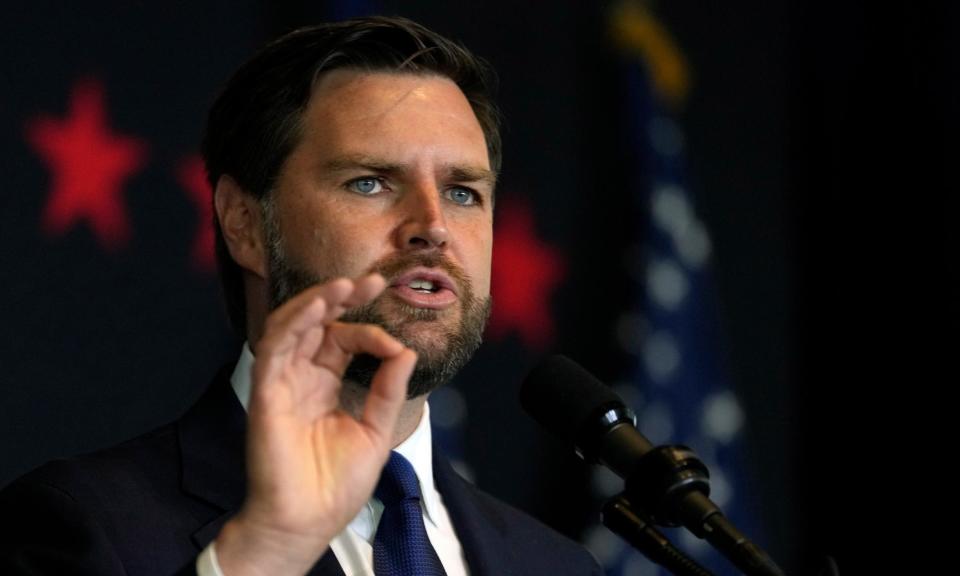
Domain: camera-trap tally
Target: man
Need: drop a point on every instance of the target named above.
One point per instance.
(353, 168)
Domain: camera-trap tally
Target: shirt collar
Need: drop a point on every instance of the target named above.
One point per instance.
(417, 448)
(240, 379)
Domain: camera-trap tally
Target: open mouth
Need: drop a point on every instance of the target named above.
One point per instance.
(424, 286)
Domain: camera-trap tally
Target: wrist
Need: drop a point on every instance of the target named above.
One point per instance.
(246, 548)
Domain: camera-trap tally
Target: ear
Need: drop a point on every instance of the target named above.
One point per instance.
(241, 221)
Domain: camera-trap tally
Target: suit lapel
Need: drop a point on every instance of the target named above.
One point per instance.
(479, 528)
(212, 436)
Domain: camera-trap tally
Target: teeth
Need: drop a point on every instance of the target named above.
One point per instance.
(422, 285)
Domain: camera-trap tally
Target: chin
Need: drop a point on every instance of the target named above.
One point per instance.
(429, 342)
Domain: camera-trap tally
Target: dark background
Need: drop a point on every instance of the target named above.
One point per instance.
(815, 141)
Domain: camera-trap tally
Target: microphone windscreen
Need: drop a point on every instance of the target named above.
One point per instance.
(563, 396)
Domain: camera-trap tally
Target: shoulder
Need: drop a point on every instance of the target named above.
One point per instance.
(115, 511)
(100, 477)
(150, 474)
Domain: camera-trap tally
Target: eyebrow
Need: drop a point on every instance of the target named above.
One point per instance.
(457, 172)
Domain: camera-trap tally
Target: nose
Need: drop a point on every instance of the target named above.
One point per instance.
(424, 224)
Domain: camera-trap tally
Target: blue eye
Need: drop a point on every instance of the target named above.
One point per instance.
(462, 196)
(366, 186)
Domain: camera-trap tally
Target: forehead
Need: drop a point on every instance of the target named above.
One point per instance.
(402, 116)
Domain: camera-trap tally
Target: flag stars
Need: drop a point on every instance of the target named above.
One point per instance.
(192, 176)
(89, 165)
(670, 209)
(694, 247)
(668, 284)
(526, 271)
(721, 417)
(673, 215)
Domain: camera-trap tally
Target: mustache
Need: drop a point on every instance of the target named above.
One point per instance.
(392, 266)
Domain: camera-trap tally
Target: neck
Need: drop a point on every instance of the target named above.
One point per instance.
(353, 397)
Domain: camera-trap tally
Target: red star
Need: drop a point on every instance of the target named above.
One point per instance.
(193, 177)
(525, 273)
(88, 167)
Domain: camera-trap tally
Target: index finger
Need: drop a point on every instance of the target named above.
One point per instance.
(365, 289)
(304, 310)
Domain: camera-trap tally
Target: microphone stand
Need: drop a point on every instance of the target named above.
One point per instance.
(669, 484)
(632, 525)
(672, 485)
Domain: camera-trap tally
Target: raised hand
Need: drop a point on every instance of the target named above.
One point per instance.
(310, 464)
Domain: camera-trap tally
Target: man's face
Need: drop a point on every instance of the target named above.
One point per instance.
(391, 175)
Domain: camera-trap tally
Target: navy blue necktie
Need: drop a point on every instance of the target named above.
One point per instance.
(401, 546)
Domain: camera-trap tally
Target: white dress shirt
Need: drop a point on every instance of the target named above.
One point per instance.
(353, 547)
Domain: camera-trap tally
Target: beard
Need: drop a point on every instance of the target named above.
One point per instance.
(449, 346)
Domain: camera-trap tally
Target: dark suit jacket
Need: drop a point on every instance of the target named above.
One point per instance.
(149, 506)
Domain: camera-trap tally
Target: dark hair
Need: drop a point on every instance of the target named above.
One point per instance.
(256, 121)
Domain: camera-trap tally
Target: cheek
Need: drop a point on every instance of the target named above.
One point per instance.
(341, 251)
(315, 239)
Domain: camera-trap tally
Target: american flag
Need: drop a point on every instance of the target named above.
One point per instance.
(678, 386)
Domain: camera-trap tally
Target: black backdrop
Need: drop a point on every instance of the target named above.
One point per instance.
(801, 154)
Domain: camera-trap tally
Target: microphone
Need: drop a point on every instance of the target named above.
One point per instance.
(582, 411)
(669, 482)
